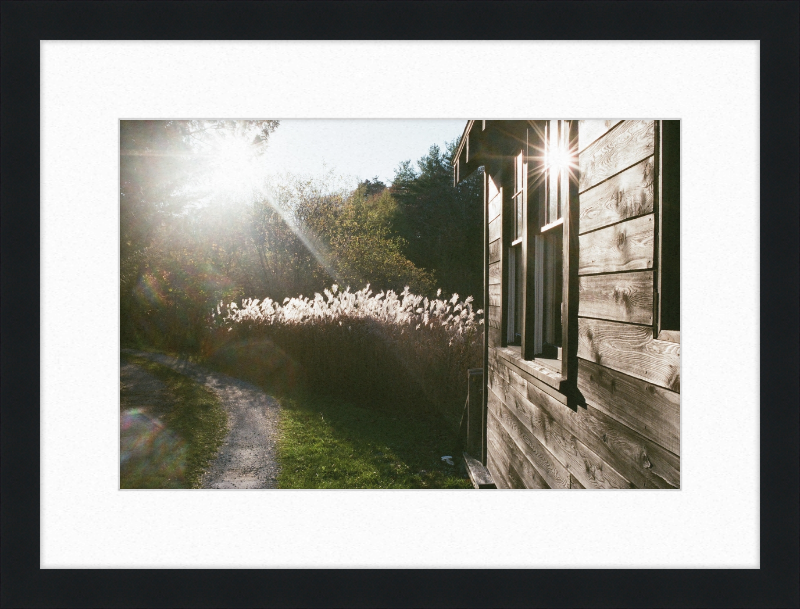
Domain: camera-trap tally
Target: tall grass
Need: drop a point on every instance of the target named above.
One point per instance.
(386, 350)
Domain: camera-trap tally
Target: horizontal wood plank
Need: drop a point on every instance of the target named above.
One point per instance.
(495, 205)
(495, 228)
(582, 462)
(623, 146)
(532, 368)
(652, 411)
(518, 471)
(643, 462)
(494, 251)
(498, 359)
(626, 246)
(495, 275)
(619, 296)
(590, 130)
(631, 350)
(553, 471)
(494, 317)
(670, 336)
(626, 195)
(494, 295)
(497, 471)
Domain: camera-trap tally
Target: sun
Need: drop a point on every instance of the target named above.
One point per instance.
(236, 169)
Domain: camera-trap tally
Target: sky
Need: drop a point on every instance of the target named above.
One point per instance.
(358, 148)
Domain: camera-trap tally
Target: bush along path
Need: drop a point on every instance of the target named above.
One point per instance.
(247, 456)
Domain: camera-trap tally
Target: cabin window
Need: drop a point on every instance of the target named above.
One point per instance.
(548, 250)
(541, 180)
(516, 262)
(670, 225)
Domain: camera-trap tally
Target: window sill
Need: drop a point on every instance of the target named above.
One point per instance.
(539, 371)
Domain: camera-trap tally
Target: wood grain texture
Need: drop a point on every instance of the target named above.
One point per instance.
(626, 144)
(643, 462)
(652, 411)
(498, 471)
(494, 251)
(494, 295)
(497, 360)
(532, 368)
(495, 205)
(495, 273)
(626, 195)
(554, 472)
(582, 462)
(478, 474)
(623, 146)
(626, 246)
(574, 483)
(590, 130)
(619, 296)
(518, 470)
(631, 350)
(670, 336)
(495, 229)
(494, 317)
(640, 460)
(494, 338)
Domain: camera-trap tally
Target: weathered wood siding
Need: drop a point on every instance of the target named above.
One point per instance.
(625, 432)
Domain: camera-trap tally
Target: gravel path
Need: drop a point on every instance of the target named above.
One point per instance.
(247, 457)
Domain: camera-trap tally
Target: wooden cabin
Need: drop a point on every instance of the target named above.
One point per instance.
(581, 371)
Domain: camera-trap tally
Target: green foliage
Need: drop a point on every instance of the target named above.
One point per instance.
(186, 247)
(177, 257)
(350, 236)
(441, 225)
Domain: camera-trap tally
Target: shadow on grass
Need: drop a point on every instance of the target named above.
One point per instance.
(329, 443)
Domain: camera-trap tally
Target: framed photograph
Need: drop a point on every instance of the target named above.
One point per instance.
(709, 96)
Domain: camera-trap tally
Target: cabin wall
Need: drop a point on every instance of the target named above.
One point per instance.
(624, 432)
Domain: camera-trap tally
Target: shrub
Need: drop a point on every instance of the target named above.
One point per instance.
(385, 350)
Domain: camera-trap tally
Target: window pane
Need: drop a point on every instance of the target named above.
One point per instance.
(551, 326)
(518, 173)
(515, 279)
(518, 216)
(554, 172)
(518, 282)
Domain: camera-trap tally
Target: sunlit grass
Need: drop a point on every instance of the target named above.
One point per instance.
(328, 443)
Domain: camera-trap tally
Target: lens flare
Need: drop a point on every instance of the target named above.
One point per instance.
(149, 452)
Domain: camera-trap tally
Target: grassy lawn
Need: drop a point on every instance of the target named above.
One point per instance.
(327, 443)
(196, 420)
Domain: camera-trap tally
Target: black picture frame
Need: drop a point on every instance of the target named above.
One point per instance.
(775, 584)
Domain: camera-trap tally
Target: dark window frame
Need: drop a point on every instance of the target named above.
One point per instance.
(548, 192)
(667, 287)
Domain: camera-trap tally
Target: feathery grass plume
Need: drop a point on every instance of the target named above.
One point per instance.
(386, 349)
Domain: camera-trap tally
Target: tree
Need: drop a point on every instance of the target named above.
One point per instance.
(441, 224)
(169, 242)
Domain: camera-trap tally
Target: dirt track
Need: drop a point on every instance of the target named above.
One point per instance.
(247, 457)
